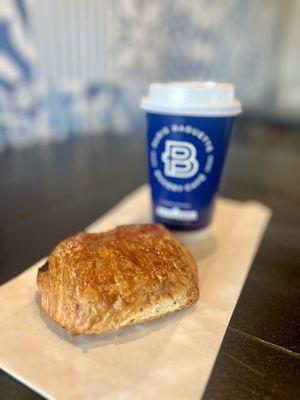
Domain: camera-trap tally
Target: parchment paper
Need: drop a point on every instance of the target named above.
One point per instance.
(170, 358)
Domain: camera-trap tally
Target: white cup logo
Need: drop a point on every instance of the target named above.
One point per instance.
(179, 159)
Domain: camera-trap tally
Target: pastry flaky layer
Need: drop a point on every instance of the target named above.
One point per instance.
(96, 282)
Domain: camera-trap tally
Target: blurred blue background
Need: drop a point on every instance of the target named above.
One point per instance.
(76, 67)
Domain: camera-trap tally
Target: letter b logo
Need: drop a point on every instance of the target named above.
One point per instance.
(179, 159)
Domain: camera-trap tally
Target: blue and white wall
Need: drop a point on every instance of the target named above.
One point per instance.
(71, 67)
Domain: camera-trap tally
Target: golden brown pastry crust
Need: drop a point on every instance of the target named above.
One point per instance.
(95, 282)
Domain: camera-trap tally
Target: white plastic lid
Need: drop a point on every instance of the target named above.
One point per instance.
(192, 98)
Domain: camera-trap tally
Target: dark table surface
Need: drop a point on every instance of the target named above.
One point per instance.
(49, 192)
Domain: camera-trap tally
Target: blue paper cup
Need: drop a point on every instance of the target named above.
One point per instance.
(189, 126)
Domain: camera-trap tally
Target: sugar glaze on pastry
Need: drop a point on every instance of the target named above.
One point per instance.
(96, 282)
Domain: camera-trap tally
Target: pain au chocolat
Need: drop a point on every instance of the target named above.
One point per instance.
(96, 282)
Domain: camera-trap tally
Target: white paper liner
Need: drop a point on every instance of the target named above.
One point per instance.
(170, 358)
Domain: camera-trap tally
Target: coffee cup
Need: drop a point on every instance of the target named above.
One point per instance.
(188, 132)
